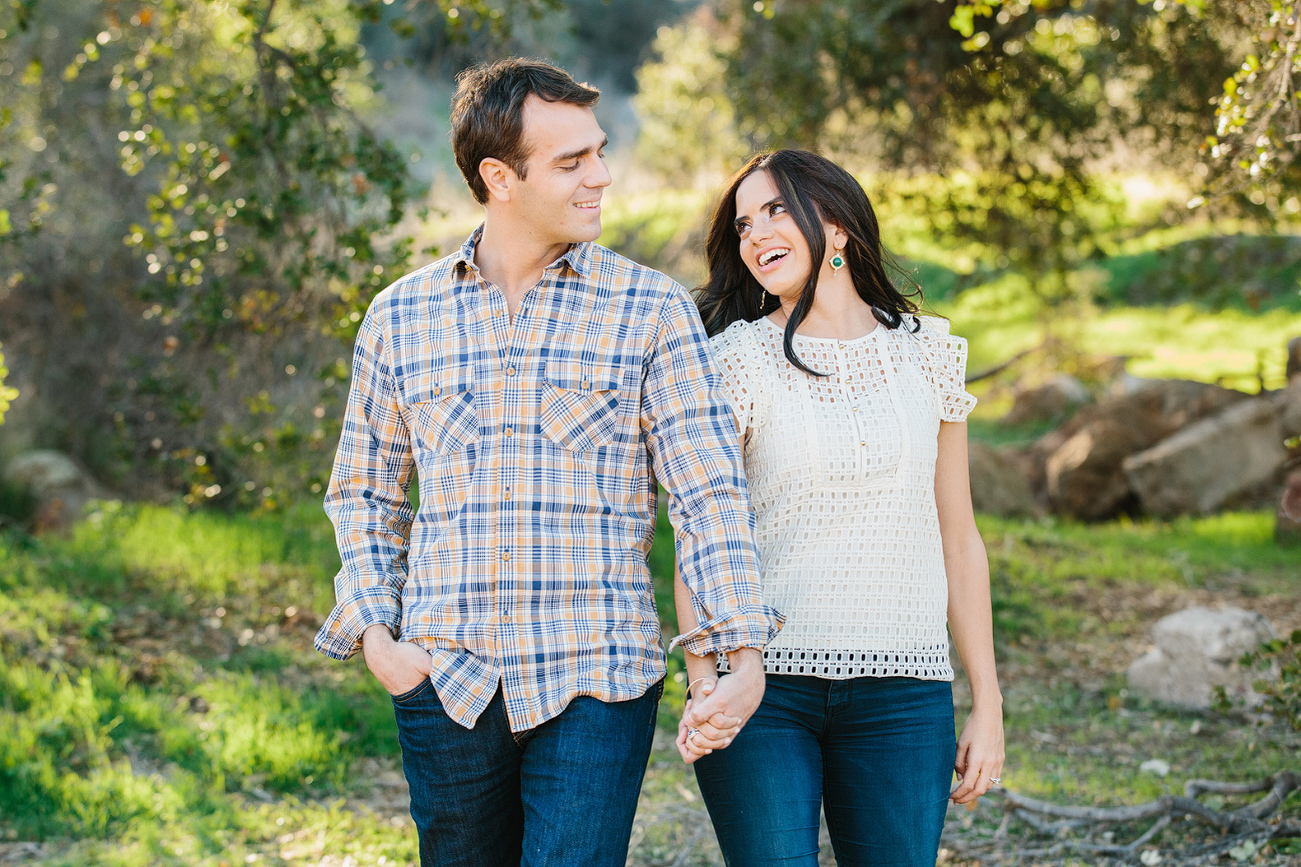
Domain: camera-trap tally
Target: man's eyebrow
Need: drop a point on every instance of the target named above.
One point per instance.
(573, 155)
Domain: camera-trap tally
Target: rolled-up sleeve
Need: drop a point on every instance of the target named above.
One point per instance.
(367, 498)
(695, 453)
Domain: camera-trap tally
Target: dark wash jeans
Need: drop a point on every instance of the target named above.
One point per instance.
(563, 793)
(876, 753)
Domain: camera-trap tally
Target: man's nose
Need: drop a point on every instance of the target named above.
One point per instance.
(599, 176)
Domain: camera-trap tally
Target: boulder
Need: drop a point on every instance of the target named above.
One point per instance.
(1197, 469)
(998, 482)
(1196, 650)
(1083, 475)
(59, 484)
(1289, 410)
(1078, 469)
(1055, 399)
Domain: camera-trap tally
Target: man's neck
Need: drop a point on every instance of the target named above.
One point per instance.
(509, 260)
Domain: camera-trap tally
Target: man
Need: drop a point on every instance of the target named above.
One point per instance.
(539, 386)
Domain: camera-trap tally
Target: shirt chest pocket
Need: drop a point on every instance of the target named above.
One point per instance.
(580, 404)
(441, 409)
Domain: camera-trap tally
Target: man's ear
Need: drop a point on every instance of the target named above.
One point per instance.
(497, 177)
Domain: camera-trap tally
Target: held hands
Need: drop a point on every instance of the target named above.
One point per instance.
(719, 707)
(399, 666)
(980, 754)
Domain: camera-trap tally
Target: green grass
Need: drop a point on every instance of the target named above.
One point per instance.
(160, 702)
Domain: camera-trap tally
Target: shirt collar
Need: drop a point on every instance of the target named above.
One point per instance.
(578, 256)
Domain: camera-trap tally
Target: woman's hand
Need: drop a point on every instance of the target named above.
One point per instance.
(696, 740)
(980, 754)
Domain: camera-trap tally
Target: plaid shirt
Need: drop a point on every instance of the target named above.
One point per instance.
(537, 444)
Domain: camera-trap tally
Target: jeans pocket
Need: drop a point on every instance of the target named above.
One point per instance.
(413, 693)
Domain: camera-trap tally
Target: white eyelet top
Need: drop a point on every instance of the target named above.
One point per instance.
(841, 471)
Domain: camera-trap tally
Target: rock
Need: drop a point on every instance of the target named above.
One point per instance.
(1196, 650)
(1197, 469)
(1078, 469)
(1289, 410)
(1287, 527)
(998, 482)
(61, 487)
(1055, 399)
(1083, 475)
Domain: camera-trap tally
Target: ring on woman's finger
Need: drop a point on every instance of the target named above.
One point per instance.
(995, 780)
(691, 733)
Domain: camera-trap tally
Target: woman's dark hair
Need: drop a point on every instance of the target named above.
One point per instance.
(488, 112)
(814, 190)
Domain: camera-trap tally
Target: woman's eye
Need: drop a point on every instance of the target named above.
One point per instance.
(776, 208)
(743, 229)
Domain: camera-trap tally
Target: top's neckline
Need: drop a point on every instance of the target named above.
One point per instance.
(781, 329)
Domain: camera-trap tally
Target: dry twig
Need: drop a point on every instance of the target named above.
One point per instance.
(1072, 829)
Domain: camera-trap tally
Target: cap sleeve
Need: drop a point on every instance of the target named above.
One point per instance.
(740, 361)
(946, 368)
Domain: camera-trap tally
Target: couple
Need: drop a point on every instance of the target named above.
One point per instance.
(541, 389)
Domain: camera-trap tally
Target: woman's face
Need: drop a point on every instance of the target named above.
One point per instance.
(771, 244)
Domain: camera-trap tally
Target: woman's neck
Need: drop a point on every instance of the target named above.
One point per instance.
(837, 311)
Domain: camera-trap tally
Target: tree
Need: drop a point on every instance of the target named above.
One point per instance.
(226, 144)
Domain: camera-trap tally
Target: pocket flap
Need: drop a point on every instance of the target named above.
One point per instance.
(433, 385)
(583, 377)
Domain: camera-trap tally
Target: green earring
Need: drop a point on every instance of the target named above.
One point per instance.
(837, 262)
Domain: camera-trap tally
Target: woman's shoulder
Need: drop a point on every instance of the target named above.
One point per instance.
(740, 340)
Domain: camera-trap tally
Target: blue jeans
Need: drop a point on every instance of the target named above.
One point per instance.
(563, 793)
(876, 753)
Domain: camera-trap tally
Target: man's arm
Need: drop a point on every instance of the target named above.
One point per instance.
(696, 455)
(367, 500)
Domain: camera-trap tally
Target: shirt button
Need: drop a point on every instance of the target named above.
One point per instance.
(510, 431)
(505, 618)
(507, 494)
(505, 555)
(587, 385)
(437, 390)
(497, 312)
(862, 442)
(510, 371)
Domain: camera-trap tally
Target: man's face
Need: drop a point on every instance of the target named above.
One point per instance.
(560, 197)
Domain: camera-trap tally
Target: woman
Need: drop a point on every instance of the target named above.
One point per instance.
(851, 410)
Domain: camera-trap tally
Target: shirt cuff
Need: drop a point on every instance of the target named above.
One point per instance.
(751, 626)
(340, 637)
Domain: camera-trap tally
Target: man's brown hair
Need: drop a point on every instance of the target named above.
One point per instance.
(488, 112)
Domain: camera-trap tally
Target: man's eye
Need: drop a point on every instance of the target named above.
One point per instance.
(569, 168)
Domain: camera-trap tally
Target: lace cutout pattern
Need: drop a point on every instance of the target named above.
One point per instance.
(841, 471)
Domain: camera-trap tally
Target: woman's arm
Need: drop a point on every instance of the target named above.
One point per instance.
(746, 664)
(971, 621)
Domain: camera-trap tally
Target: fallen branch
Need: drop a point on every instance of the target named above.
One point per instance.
(1071, 830)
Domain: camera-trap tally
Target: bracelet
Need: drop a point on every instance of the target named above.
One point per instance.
(694, 682)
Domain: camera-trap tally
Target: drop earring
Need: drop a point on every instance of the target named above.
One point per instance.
(837, 262)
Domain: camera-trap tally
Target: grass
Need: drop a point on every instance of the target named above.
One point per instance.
(160, 702)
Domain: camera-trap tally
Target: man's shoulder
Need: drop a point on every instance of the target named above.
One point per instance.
(622, 271)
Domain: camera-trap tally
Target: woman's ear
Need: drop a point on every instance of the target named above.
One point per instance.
(840, 236)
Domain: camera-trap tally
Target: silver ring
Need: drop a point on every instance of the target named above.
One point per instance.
(995, 780)
(691, 733)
